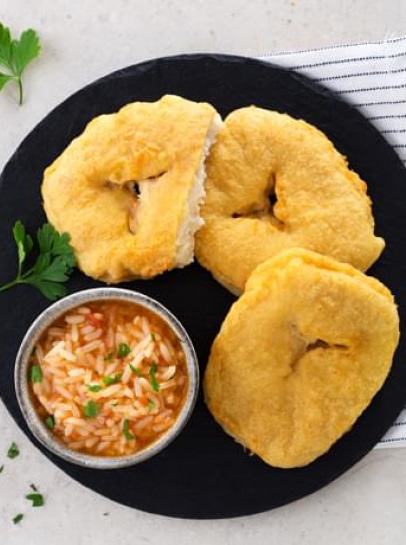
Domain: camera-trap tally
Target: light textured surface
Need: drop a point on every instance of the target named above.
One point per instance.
(83, 41)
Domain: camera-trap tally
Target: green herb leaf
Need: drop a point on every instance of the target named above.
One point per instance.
(151, 405)
(153, 339)
(54, 263)
(36, 374)
(135, 370)
(109, 356)
(154, 382)
(108, 381)
(1, 468)
(5, 46)
(114, 404)
(25, 50)
(94, 387)
(48, 289)
(56, 244)
(91, 409)
(4, 79)
(36, 498)
(50, 422)
(16, 54)
(18, 518)
(126, 430)
(123, 350)
(13, 451)
(23, 241)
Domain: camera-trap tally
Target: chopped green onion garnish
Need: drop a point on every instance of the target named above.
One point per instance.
(50, 422)
(13, 451)
(18, 518)
(135, 370)
(91, 409)
(94, 387)
(123, 350)
(109, 356)
(126, 430)
(108, 381)
(154, 382)
(36, 498)
(36, 374)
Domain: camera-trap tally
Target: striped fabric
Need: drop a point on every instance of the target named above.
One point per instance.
(372, 76)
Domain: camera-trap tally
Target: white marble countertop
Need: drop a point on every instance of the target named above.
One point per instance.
(83, 40)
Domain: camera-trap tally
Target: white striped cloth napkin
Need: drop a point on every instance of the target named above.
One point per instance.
(372, 76)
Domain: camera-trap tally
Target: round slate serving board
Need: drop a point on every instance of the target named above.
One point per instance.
(204, 473)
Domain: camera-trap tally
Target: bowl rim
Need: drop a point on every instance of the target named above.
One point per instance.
(22, 388)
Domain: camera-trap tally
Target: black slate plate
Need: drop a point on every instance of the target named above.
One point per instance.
(204, 474)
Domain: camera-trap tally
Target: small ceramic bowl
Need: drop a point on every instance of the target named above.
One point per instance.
(24, 395)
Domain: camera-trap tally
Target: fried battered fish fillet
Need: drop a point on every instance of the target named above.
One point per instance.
(128, 189)
(300, 356)
(261, 157)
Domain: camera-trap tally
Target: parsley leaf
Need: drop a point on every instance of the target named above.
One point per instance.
(50, 422)
(123, 350)
(91, 409)
(135, 370)
(4, 79)
(16, 54)
(13, 451)
(151, 405)
(54, 263)
(109, 356)
(94, 387)
(18, 518)
(154, 382)
(108, 381)
(23, 241)
(36, 374)
(36, 498)
(51, 242)
(126, 430)
(153, 338)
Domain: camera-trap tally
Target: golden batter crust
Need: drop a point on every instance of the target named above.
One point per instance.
(320, 205)
(300, 356)
(87, 191)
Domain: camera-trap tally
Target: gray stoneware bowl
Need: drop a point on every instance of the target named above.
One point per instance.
(35, 423)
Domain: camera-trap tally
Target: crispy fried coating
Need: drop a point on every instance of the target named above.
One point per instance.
(89, 191)
(321, 205)
(300, 356)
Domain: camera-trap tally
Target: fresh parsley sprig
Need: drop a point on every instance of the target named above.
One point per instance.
(54, 263)
(16, 54)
